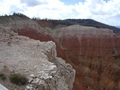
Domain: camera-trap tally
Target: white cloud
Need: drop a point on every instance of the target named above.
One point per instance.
(100, 10)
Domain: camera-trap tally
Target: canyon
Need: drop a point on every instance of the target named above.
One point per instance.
(93, 52)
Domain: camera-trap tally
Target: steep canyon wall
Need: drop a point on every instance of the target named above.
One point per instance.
(93, 52)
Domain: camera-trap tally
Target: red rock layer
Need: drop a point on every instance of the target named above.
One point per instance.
(31, 33)
(44, 23)
(91, 46)
(96, 59)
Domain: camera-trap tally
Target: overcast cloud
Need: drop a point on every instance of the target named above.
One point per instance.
(30, 2)
(104, 11)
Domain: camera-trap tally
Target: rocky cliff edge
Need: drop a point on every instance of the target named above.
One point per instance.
(37, 60)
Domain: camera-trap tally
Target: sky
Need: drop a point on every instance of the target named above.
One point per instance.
(105, 11)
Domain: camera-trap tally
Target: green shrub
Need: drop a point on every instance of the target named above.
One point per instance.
(18, 79)
(2, 76)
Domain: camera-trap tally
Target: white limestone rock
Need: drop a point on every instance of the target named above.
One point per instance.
(37, 60)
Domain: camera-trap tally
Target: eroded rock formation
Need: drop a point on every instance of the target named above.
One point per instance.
(93, 52)
(37, 60)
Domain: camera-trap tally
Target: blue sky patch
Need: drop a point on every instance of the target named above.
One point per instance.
(71, 2)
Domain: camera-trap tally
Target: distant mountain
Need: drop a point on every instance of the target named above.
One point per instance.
(118, 26)
(83, 22)
(66, 22)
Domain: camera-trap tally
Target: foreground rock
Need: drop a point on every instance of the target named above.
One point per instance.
(37, 60)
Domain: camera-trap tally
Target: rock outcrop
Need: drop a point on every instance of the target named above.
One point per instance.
(37, 60)
(94, 52)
